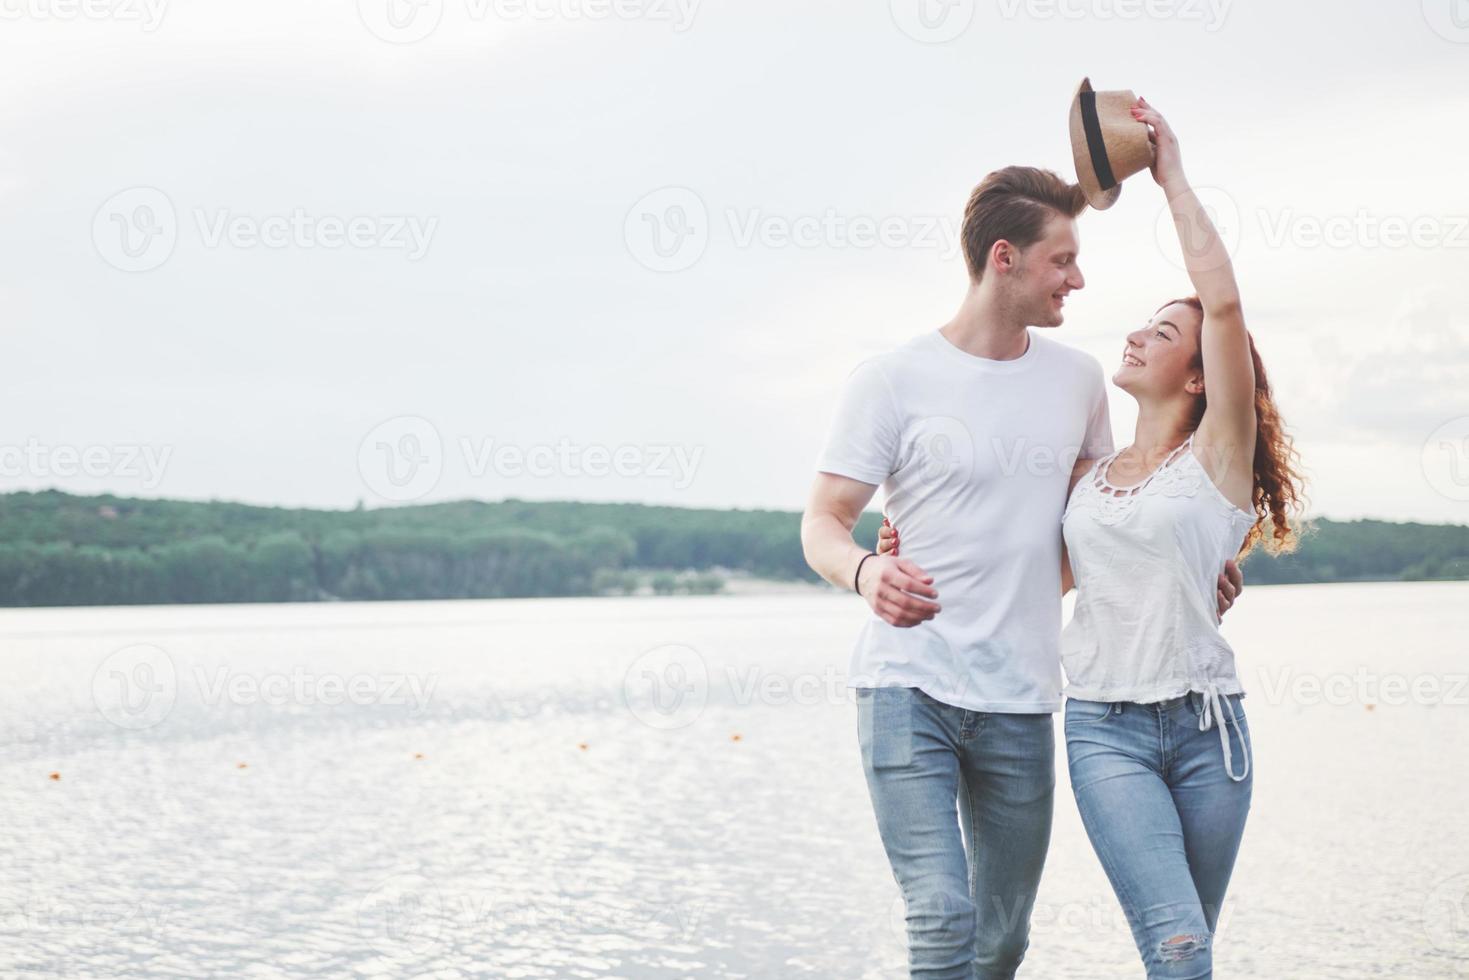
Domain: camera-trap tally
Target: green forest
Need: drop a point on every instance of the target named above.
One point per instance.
(59, 549)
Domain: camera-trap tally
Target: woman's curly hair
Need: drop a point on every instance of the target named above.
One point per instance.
(1279, 490)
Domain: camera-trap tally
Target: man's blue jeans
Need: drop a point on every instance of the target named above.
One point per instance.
(1164, 817)
(968, 875)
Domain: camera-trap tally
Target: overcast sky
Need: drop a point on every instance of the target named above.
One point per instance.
(303, 252)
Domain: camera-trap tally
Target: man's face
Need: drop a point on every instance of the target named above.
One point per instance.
(1046, 272)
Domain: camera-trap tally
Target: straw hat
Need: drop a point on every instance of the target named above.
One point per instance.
(1107, 144)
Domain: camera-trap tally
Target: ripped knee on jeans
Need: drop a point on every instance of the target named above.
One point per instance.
(1182, 948)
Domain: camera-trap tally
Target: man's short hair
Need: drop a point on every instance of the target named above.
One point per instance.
(1014, 203)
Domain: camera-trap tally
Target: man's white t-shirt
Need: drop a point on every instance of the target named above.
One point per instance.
(974, 456)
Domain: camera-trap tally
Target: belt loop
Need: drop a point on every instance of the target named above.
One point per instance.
(1119, 706)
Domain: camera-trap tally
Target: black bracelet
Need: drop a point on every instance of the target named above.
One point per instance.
(857, 576)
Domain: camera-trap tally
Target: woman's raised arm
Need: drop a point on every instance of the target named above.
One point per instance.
(1229, 368)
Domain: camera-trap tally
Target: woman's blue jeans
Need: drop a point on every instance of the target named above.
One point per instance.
(968, 873)
(1164, 817)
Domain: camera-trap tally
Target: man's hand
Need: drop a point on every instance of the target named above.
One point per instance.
(1231, 584)
(898, 590)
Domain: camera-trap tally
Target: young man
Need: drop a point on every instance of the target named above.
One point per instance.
(974, 431)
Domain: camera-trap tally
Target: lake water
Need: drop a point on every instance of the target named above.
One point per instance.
(656, 788)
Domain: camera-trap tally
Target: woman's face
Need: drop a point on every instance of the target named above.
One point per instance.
(1157, 358)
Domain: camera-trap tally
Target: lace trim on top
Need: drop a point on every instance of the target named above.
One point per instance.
(1113, 503)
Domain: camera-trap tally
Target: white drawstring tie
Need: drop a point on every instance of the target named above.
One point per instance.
(1212, 712)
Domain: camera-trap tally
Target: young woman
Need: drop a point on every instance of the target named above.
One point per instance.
(1158, 745)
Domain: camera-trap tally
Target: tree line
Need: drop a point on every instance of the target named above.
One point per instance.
(62, 549)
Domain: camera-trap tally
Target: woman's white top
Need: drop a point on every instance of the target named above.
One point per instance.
(1146, 561)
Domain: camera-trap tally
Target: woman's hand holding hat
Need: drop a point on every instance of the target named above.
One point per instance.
(1167, 168)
